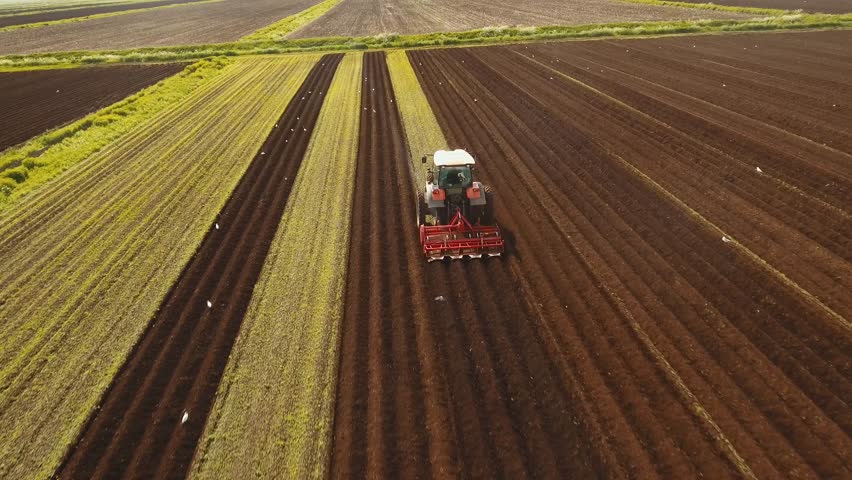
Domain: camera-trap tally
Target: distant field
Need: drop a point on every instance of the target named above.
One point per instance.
(32, 102)
(51, 14)
(821, 6)
(182, 25)
(371, 17)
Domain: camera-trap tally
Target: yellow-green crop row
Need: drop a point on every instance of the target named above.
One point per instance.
(273, 413)
(103, 15)
(282, 28)
(47, 155)
(86, 261)
(422, 131)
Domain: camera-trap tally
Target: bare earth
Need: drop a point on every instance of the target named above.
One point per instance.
(217, 22)
(372, 17)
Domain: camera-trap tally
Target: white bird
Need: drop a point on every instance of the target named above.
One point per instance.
(758, 170)
(439, 298)
(184, 418)
(263, 153)
(217, 226)
(726, 239)
(209, 305)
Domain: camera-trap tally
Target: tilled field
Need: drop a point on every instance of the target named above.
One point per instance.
(700, 355)
(35, 101)
(37, 17)
(178, 365)
(443, 372)
(189, 24)
(369, 17)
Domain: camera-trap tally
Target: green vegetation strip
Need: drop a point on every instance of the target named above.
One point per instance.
(86, 260)
(485, 36)
(422, 131)
(282, 28)
(103, 15)
(26, 167)
(712, 6)
(274, 408)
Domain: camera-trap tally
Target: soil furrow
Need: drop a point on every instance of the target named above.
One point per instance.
(176, 368)
(496, 426)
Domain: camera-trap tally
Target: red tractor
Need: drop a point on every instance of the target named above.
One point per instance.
(455, 213)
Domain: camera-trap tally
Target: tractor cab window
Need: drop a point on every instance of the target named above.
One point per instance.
(454, 177)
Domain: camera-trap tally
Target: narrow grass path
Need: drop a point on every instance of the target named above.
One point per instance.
(85, 263)
(422, 131)
(274, 408)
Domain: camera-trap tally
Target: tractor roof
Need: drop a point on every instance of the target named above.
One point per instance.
(455, 158)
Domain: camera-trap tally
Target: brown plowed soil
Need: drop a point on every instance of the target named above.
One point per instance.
(189, 24)
(35, 101)
(371, 17)
(692, 357)
(821, 6)
(83, 12)
(444, 372)
(176, 368)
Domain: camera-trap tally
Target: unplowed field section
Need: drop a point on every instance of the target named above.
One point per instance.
(656, 254)
(190, 24)
(138, 432)
(443, 371)
(83, 12)
(373, 17)
(32, 102)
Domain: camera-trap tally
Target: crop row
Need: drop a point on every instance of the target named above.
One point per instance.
(103, 245)
(279, 387)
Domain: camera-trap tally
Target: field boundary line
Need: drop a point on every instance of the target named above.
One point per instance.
(102, 15)
(784, 279)
(780, 181)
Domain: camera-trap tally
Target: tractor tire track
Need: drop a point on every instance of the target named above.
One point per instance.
(138, 431)
(443, 372)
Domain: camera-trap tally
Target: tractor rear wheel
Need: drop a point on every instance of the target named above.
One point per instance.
(421, 209)
(487, 215)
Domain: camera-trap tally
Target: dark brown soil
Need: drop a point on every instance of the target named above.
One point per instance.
(224, 21)
(821, 6)
(642, 299)
(176, 367)
(83, 12)
(35, 101)
(443, 372)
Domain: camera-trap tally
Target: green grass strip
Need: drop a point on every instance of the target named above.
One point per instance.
(102, 15)
(485, 36)
(422, 131)
(282, 28)
(26, 167)
(712, 6)
(275, 405)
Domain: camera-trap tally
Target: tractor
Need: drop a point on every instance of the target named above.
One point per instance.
(455, 212)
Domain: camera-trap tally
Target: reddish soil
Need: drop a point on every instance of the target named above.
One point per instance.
(369, 17)
(35, 101)
(136, 432)
(821, 6)
(218, 22)
(83, 12)
(444, 370)
(648, 310)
